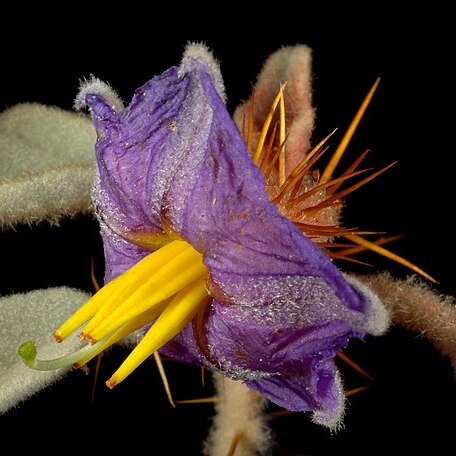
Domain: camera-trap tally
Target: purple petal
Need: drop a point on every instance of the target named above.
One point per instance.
(174, 159)
(262, 339)
(132, 148)
(220, 205)
(120, 255)
(317, 388)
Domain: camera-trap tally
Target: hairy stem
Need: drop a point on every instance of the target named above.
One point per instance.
(239, 425)
(414, 305)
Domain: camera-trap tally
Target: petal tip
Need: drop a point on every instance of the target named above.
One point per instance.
(332, 417)
(95, 87)
(197, 55)
(378, 317)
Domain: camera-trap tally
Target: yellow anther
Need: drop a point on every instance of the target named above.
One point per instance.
(180, 311)
(176, 274)
(112, 294)
(115, 292)
(132, 325)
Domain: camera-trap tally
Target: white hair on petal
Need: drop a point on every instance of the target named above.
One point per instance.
(95, 86)
(333, 419)
(378, 316)
(197, 54)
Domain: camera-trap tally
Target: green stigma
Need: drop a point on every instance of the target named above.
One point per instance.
(27, 351)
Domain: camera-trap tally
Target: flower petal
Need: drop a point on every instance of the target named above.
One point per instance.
(133, 161)
(46, 163)
(317, 389)
(33, 316)
(271, 341)
(281, 352)
(218, 202)
(175, 157)
(119, 254)
(174, 161)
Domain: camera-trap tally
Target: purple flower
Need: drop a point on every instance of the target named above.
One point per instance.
(266, 305)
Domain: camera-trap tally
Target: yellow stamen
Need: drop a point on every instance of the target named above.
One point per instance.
(182, 270)
(133, 325)
(180, 311)
(112, 294)
(126, 284)
(386, 253)
(267, 123)
(328, 172)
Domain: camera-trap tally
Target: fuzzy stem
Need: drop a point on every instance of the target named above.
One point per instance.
(414, 305)
(239, 419)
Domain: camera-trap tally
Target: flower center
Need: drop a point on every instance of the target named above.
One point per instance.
(168, 288)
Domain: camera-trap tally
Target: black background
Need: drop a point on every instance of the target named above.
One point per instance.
(411, 404)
